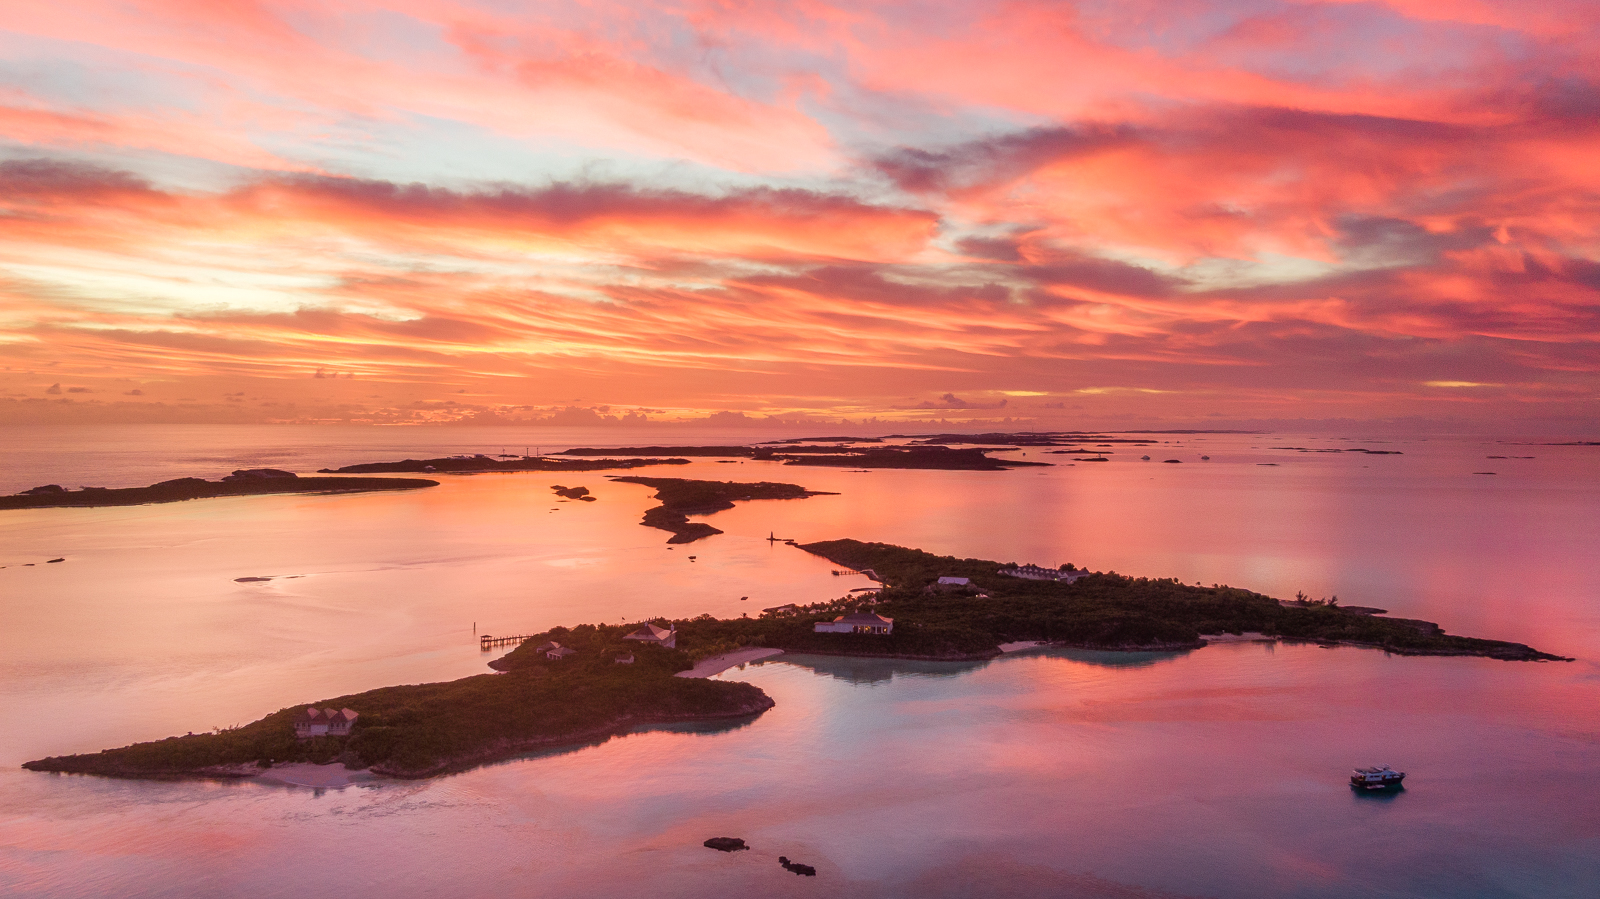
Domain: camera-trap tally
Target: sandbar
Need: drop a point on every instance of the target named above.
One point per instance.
(1246, 637)
(719, 664)
(305, 774)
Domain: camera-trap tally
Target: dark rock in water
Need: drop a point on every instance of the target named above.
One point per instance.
(55, 560)
(796, 867)
(250, 580)
(1172, 461)
(572, 492)
(726, 844)
(47, 488)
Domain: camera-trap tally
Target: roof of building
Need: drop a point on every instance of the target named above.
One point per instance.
(956, 581)
(561, 652)
(649, 632)
(313, 713)
(863, 618)
(546, 647)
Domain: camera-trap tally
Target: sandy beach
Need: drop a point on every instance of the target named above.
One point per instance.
(719, 664)
(1247, 637)
(304, 774)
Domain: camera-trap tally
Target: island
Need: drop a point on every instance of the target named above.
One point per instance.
(482, 463)
(568, 685)
(251, 482)
(682, 497)
(1005, 603)
(853, 455)
(545, 697)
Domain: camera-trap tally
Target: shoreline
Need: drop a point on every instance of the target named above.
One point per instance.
(718, 664)
(334, 776)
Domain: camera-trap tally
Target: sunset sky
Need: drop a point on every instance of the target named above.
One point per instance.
(1128, 214)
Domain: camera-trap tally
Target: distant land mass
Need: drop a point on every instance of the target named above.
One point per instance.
(935, 457)
(1028, 438)
(240, 483)
(468, 464)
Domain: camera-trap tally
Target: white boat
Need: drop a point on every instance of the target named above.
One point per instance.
(1381, 777)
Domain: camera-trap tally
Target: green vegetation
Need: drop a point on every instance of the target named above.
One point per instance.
(681, 497)
(426, 729)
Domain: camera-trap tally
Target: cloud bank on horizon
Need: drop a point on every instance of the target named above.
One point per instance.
(1111, 213)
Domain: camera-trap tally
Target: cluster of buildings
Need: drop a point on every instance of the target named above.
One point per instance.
(646, 633)
(315, 722)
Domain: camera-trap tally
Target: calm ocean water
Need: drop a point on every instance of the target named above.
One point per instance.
(1218, 772)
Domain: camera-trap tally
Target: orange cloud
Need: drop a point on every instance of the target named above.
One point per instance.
(1156, 209)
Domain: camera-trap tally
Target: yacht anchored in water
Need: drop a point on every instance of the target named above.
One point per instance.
(1382, 777)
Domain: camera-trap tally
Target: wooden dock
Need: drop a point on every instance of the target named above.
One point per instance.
(488, 642)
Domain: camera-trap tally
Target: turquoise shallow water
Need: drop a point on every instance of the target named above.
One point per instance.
(1217, 772)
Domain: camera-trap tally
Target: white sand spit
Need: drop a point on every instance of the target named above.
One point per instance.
(303, 774)
(719, 664)
(1247, 637)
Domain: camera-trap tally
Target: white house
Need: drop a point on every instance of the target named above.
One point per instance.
(856, 623)
(315, 722)
(559, 653)
(660, 636)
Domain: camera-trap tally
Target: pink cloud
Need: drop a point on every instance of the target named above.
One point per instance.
(816, 206)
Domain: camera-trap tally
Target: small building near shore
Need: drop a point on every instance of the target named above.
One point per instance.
(315, 722)
(856, 623)
(660, 636)
(625, 659)
(559, 653)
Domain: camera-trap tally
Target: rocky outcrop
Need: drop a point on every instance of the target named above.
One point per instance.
(796, 867)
